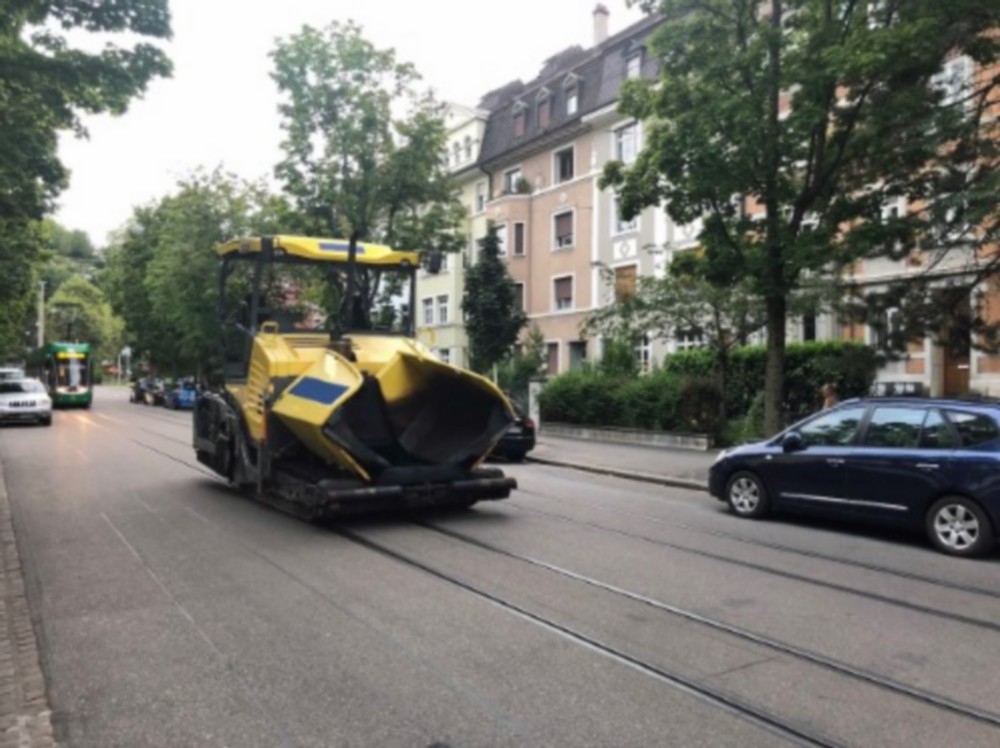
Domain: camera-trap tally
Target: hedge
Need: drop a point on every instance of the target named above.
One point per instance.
(682, 395)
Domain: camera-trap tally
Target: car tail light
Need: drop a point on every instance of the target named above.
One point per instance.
(528, 423)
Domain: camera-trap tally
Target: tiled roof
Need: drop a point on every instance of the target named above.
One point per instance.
(599, 73)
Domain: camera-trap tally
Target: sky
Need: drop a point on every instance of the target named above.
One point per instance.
(220, 106)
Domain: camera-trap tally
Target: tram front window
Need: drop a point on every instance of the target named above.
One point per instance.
(72, 373)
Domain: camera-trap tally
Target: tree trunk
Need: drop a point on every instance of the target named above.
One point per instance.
(722, 376)
(774, 375)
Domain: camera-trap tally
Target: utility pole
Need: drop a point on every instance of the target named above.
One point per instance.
(41, 313)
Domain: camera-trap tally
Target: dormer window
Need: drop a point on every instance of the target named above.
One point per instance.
(571, 86)
(456, 154)
(468, 148)
(544, 104)
(520, 116)
(633, 65)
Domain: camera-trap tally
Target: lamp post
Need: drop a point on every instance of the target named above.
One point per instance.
(41, 313)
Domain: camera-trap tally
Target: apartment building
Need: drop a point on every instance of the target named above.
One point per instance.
(544, 147)
(439, 296)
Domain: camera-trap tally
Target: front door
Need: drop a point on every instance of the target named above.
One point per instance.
(814, 478)
(957, 354)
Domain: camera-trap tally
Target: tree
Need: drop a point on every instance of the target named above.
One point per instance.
(79, 312)
(816, 115)
(46, 84)
(363, 148)
(683, 302)
(514, 374)
(163, 269)
(493, 318)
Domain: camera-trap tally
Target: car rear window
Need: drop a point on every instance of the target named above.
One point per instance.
(973, 428)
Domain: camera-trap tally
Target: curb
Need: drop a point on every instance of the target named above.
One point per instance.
(25, 714)
(662, 480)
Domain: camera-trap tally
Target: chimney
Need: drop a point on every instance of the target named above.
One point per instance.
(600, 23)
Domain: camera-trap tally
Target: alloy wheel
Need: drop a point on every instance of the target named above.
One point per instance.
(956, 527)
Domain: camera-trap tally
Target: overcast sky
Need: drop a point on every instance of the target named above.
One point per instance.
(220, 106)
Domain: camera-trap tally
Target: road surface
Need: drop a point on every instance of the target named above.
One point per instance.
(584, 611)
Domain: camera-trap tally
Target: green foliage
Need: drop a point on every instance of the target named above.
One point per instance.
(514, 374)
(79, 312)
(867, 124)
(618, 358)
(46, 84)
(849, 366)
(493, 320)
(163, 269)
(683, 396)
(363, 147)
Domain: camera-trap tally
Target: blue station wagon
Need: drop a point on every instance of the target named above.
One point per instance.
(931, 464)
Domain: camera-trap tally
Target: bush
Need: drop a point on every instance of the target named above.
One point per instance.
(683, 395)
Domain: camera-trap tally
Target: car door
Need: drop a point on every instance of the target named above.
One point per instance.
(903, 461)
(813, 478)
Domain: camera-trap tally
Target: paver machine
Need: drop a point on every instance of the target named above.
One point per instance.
(329, 405)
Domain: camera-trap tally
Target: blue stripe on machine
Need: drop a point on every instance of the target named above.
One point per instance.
(318, 391)
(339, 247)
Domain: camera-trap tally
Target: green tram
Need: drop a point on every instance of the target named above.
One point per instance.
(65, 369)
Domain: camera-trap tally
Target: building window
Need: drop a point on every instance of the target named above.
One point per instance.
(644, 354)
(954, 81)
(563, 292)
(885, 329)
(456, 154)
(519, 118)
(688, 340)
(572, 101)
(443, 310)
(544, 113)
(577, 354)
(519, 296)
(625, 278)
(552, 358)
(626, 143)
(563, 165)
(444, 354)
(519, 239)
(428, 305)
(563, 224)
(481, 197)
(510, 179)
(468, 148)
(502, 239)
(808, 328)
(633, 65)
(621, 226)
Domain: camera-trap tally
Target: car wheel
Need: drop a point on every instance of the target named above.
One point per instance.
(47, 421)
(516, 456)
(747, 496)
(957, 526)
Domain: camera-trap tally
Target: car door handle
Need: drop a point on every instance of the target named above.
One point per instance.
(835, 461)
(927, 466)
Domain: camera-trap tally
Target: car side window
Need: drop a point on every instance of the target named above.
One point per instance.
(973, 428)
(937, 434)
(833, 429)
(895, 427)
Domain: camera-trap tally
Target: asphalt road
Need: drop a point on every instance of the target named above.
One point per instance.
(583, 611)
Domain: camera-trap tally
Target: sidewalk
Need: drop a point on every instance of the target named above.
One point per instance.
(25, 716)
(668, 467)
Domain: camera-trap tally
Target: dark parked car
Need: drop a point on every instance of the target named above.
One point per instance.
(148, 391)
(933, 464)
(518, 440)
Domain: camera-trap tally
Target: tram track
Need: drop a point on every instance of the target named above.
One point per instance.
(801, 653)
(754, 714)
(744, 710)
(757, 543)
(770, 570)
